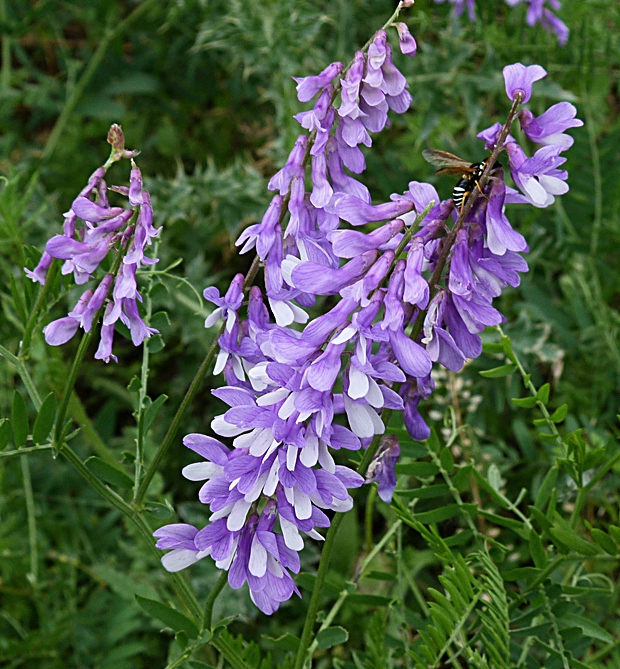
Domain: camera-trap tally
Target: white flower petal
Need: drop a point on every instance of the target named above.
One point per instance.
(257, 564)
(310, 452)
(325, 459)
(178, 559)
(236, 519)
(201, 471)
(291, 535)
(291, 457)
(358, 383)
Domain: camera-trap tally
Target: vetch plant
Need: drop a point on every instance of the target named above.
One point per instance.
(415, 291)
(328, 353)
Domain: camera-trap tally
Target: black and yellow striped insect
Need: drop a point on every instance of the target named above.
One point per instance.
(470, 173)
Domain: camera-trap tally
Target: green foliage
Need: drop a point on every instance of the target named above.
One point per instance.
(501, 548)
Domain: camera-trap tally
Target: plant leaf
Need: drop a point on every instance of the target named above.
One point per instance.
(332, 636)
(19, 419)
(108, 473)
(45, 419)
(169, 616)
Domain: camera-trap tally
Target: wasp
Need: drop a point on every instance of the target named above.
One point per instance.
(470, 173)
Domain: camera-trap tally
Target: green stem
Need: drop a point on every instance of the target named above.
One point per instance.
(596, 177)
(527, 382)
(368, 514)
(213, 595)
(71, 379)
(179, 584)
(93, 64)
(170, 436)
(32, 521)
(144, 377)
(24, 451)
(22, 371)
(313, 607)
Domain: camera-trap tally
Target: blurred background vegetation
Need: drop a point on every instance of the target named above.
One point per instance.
(203, 89)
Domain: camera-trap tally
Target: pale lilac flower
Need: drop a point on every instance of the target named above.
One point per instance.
(60, 331)
(519, 79)
(538, 177)
(227, 306)
(39, 273)
(308, 87)
(548, 128)
(408, 44)
(351, 88)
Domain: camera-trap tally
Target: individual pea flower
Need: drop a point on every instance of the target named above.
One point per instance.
(549, 128)
(408, 45)
(459, 5)
(382, 468)
(538, 177)
(519, 79)
(228, 305)
(308, 87)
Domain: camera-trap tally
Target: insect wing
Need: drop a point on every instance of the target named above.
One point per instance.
(446, 160)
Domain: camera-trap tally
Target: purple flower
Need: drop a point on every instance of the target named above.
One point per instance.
(357, 212)
(519, 79)
(538, 176)
(226, 306)
(408, 44)
(262, 235)
(180, 538)
(381, 469)
(548, 128)
(501, 237)
(59, 332)
(308, 87)
(459, 5)
(39, 273)
(293, 167)
(351, 88)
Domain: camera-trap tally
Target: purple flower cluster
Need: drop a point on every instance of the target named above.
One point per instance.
(538, 178)
(127, 230)
(537, 12)
(295, 395)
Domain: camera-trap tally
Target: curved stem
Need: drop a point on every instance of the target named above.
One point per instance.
(32, 521)
(170, 436)
(313, 608)
(68, 389)
(213, 595)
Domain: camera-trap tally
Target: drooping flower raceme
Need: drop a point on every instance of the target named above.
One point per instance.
(298, 390)
(129, 231)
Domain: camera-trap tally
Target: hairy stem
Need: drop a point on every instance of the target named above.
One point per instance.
(32, 521)
(313, 607)
(144, 377)
(171, 434)
(213, 595)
